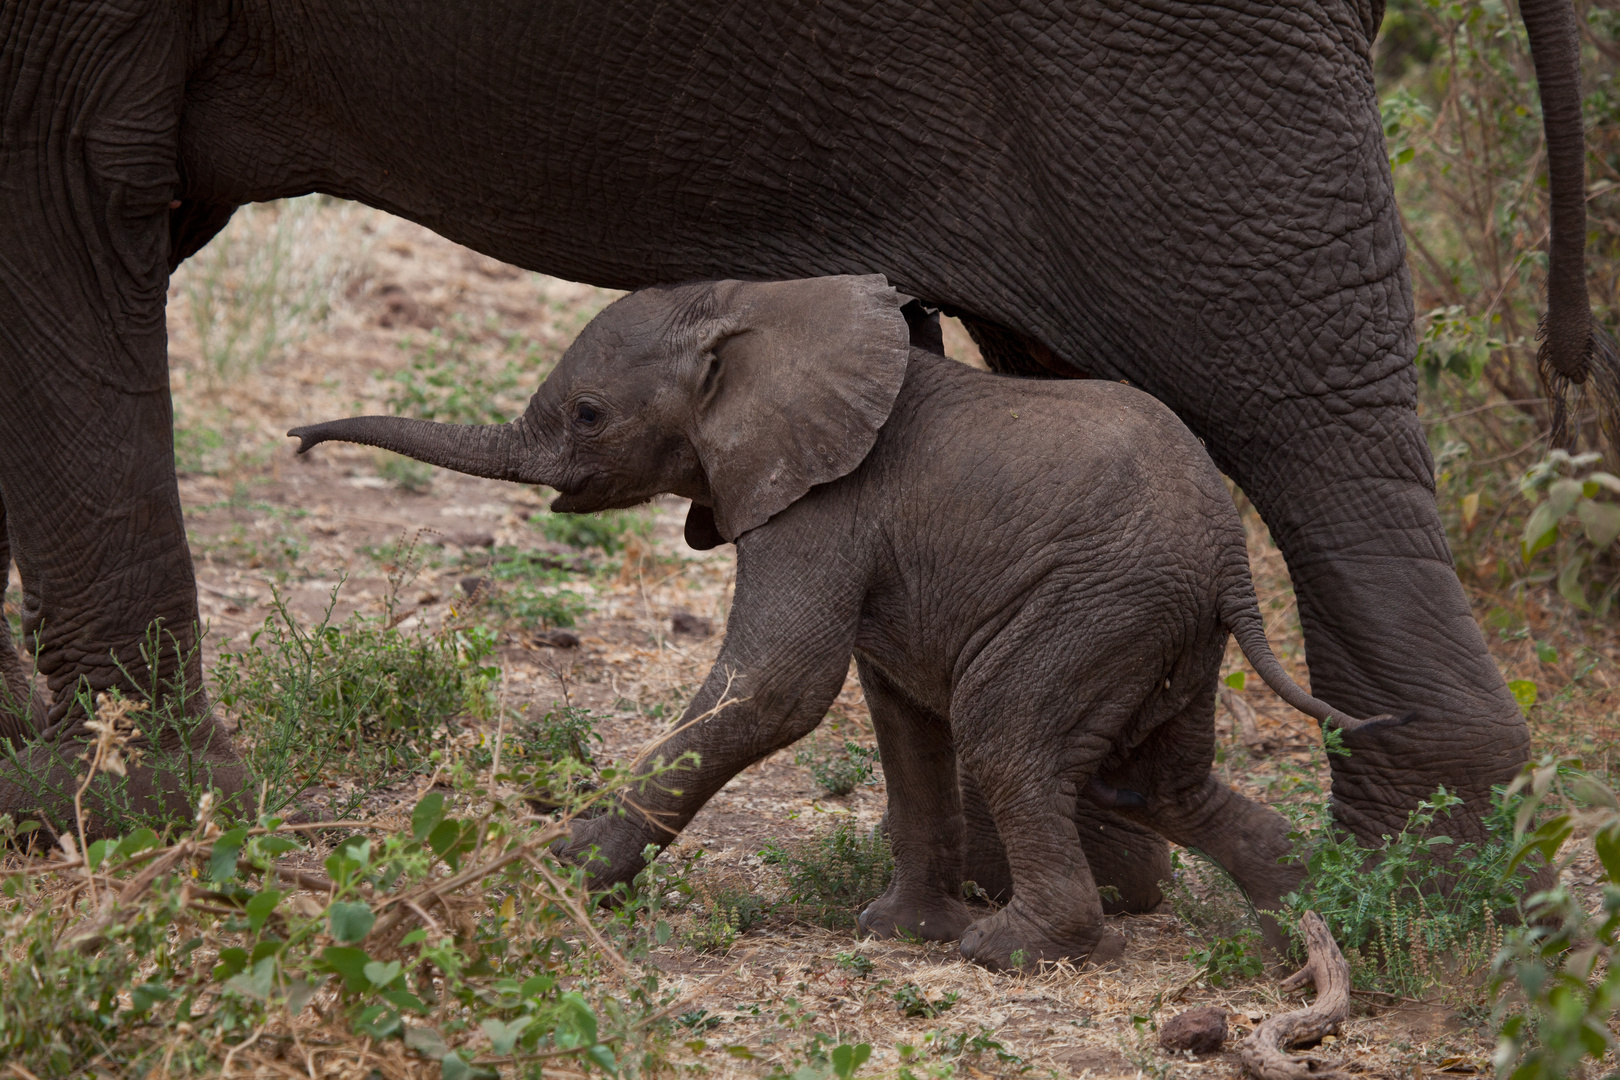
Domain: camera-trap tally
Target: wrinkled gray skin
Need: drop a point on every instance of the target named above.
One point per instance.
(1036, 579)
(1191, 196)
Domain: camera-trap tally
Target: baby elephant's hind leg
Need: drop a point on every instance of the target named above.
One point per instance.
(1249, 840)
(925, 818)
(1128, 860)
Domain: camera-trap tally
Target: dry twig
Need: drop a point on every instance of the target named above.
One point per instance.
(1265, 1051)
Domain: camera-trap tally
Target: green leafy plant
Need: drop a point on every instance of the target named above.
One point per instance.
(605, 530)
(1229, 958)
(1577, 515)
(913, 1002)
(840, 771)
(1560, 962)
(857, 964)
(564, 731)
(362, 698)
(1419, 908)
(833, 873)
(728, 913)
(824, 1058)
(207, 948)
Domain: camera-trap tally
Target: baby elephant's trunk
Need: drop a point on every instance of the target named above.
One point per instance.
(496, 451)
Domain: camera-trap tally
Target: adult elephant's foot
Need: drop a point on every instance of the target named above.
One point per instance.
(160, 784)
(930, 916)
(1016, 939)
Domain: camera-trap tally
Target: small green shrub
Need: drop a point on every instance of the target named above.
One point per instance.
(361, 698)
(831, 875)
(605, 530)
(406, 474)
(1576, 523)
(457, 380)
(184, 969)
(838, 772)
(566, 731)
(914, 1003)
(1418, 909)
(857, 964)
(823, 1057)
(1229, 958)
(1556, 983)
(727, 914)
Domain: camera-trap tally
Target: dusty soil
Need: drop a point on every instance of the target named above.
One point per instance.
(262, 518)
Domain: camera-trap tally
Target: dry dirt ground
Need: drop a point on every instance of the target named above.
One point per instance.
(359, 294)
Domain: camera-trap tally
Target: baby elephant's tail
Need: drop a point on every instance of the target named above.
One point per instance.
(1241, 614)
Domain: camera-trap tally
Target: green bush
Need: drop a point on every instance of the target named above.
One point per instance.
(1417, 909)
(182, 970)
(838, 772)
(1556, 982)
(361, 698)
(605, 530)
(833, 874)
(1575, 521)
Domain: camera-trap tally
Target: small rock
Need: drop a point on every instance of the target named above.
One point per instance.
(1200, 1030)
(474, 586)
(684, 622)
(557, 639)
(470, 539)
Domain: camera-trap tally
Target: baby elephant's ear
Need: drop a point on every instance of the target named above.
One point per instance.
(800, 377)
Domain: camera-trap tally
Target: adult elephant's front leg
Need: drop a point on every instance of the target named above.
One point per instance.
(87, 156)
(1387, 626)
(22, 708)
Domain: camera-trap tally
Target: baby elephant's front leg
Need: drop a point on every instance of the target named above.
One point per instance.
(788, 643)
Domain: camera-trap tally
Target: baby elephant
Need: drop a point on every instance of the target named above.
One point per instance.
(1036, 579)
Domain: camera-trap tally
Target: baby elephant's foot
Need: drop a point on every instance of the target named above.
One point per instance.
(937, 917)
(1012, 940)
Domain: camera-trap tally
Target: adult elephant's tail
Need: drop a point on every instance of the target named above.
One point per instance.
(1574, 350)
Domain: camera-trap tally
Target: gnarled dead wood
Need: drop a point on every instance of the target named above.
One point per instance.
(1265, 1052)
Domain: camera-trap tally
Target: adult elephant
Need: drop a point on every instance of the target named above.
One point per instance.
(1191, 196)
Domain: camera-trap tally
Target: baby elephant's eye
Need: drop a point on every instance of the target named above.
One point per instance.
(585, 413)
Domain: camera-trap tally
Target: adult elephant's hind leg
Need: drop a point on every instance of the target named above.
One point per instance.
(1388, 628)
(925, 818)
(92, 505)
